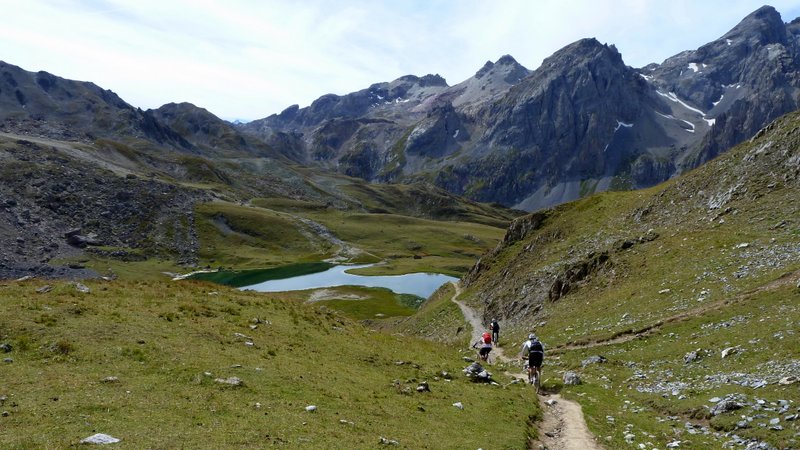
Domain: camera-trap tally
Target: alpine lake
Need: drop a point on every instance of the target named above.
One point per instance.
(357, 296)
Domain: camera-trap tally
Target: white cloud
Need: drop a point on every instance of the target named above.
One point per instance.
(246, 59)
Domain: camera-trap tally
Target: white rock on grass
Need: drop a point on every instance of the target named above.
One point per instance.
(100, 438)
(233, 381)
(311, 408)
(458, 405)
(729, 351)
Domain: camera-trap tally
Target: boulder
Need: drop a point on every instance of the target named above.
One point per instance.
(596, 359)
(477, 373)
(693, 356)
(729, 351)
(571, 378)
(725, 406)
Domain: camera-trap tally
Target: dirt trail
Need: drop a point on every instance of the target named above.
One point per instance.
(625, 336)
(563, 426)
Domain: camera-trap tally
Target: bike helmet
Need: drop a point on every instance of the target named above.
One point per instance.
(532, 336)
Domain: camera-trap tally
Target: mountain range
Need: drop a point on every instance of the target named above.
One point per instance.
(582, 122)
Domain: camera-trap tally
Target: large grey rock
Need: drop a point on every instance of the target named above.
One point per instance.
(476, 372)
(596, 359)
(725, 406)
(571, 378)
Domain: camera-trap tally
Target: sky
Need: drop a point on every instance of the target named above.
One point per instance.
(247, 59)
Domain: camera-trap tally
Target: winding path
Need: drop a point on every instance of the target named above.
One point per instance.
(563, 426)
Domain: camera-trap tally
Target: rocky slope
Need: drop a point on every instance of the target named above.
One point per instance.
(73, 110)
(676, 305)
(583, 122)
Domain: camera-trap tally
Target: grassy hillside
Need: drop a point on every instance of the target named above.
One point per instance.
(166, 343)
(702, 263)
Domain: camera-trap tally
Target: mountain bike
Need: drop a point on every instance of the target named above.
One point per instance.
(534, 376)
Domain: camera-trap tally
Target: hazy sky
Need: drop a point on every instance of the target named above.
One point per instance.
(247, 59)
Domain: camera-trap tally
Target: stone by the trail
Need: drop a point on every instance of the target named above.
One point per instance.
(8, 360)
(110, 380)
(44, 289)
(311, 408)
(596, 359)
(785, 381)
(715, 400)
(571, 378)
(725, 406)
(458, 405)
(6, 347)
(25, 278)
(775, 421)
(729, 351)
(551, 402)
(82, 288)
(100, 438)
(384, 441)
(477, 373)
(3, 399)
(446, 375)
(233, 381)
(674, 444)
(242, 336)
(468, 359)
(5, 414)
(423, 387)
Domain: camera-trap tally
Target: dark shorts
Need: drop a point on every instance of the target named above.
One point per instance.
(484, 351)
(535, 359)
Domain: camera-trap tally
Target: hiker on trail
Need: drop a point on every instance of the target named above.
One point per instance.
(485, 343)
(533, 351)
(495, 331)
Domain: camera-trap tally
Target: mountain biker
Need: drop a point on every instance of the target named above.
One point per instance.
(485, 343)
(495, 331)
(533, 350)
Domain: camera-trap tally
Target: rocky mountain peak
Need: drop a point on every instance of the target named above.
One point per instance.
(433, 80)
(484, 70)
(507, 60)
(581, 52)
(762, 26)
(514, 70)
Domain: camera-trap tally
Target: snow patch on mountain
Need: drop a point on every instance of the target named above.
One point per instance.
(622, 124)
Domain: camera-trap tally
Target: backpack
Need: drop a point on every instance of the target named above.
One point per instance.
(536, 347)
(487, 338)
